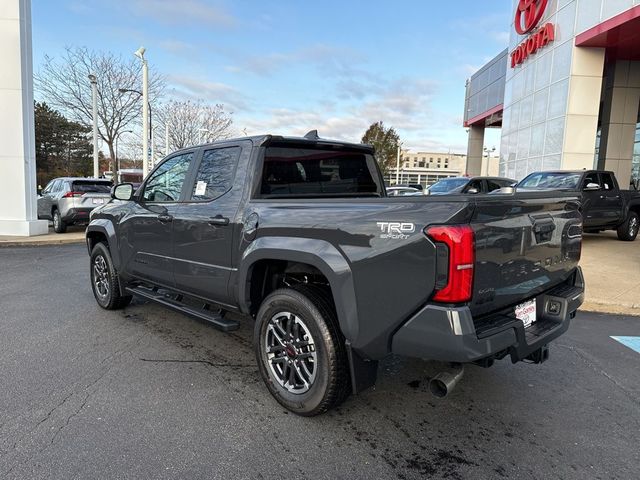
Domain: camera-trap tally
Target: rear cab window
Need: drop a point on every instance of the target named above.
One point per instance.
(301, 171)
(215, 173)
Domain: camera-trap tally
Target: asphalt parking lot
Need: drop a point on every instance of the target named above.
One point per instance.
(147, 393)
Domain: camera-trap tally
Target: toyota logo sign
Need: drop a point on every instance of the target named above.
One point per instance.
(528, 15)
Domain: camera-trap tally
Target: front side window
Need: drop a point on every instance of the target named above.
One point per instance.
(165, 184)
(215, 174)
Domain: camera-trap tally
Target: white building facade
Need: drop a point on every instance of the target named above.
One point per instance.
(566, 92)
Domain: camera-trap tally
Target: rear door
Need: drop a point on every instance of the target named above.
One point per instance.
(45, 201)
(524, 245)
(146, 234)
(204, 225)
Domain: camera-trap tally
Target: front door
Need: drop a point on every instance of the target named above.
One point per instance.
(146, 235)
(593, 204)
(613, 204)
(205, 225)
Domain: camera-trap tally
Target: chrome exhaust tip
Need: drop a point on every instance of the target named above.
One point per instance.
(441, 385)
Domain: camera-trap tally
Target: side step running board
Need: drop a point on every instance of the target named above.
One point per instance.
(216, 318)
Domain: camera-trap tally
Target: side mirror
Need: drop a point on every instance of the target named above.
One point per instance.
(122, 191)
(592, 187)
(39, 191)
(473, 190)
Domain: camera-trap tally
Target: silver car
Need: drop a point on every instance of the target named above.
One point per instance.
(68, 200)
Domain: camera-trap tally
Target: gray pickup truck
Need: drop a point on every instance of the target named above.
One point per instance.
(299, 235)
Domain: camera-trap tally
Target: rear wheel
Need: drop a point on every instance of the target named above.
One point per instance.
(58, 224)
(300, 351)
(628, 231)
(104, 280)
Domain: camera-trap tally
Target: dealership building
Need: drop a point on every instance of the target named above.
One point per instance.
(566, 91)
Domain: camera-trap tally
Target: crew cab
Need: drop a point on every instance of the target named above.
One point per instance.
(604, 205)
(299, 235)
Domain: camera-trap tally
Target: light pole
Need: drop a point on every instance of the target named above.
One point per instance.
(118, 156)
(145, 110)
(94, 100)
(203, 136)
(166, 139)
(488, 153)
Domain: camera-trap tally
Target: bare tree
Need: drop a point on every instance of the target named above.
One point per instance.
(192, 123)
(64, 84)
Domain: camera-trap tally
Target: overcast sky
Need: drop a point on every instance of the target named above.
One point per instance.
(287, 66)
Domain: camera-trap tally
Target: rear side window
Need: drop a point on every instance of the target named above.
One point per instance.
(607, 181)
(494, 185)
(308, 172)
(215, 174)
(91, 187)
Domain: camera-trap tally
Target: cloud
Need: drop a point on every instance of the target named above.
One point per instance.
(338, 60)
(404, 104)
(179, 12)
(195, 89)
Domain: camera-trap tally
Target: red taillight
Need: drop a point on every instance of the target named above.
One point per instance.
(73, 194)
(460, 241)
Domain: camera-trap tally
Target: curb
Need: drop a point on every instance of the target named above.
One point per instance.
(40, 243)
(610, 308)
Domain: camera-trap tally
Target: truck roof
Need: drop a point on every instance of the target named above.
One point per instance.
(270, 138)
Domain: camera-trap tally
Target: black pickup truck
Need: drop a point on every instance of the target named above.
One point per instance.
(298, 234)
(604, 205)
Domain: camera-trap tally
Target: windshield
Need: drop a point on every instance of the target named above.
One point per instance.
(551, 180)
(448, 185)
(91, 187)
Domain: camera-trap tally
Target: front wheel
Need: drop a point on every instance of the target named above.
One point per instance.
(628, 231)
(104, 280)
(300, 351)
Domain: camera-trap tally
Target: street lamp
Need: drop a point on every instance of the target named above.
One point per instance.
(488, 153)
(118, 156)
(94, 101)
(145, 110)
(203, 134)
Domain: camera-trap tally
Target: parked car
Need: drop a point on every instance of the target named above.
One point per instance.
(469, 185)
(604, 205)
(403, 191)
(68, 200)
(299, 235)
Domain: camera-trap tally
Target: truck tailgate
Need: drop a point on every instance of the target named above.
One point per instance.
(525, 244)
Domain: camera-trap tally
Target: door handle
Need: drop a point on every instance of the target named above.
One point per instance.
(165, 218)
(218, 220)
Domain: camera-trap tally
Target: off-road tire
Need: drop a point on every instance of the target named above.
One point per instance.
(58, 224)
(628, 231)
(102, 269)
(314, 306)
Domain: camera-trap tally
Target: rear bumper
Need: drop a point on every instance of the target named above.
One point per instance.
(77, 215)
(450, 334)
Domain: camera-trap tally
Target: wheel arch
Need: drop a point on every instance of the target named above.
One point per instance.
(102, 230)
(318, 255)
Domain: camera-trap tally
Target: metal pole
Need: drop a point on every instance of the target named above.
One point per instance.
(94, 99)
(398, 165)
(145, 118)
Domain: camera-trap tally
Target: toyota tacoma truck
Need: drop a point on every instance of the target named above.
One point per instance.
(299, 235)
(604, 205)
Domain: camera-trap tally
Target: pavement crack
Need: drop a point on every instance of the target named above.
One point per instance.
(75, 413)
(206, 362)
(596, 368)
